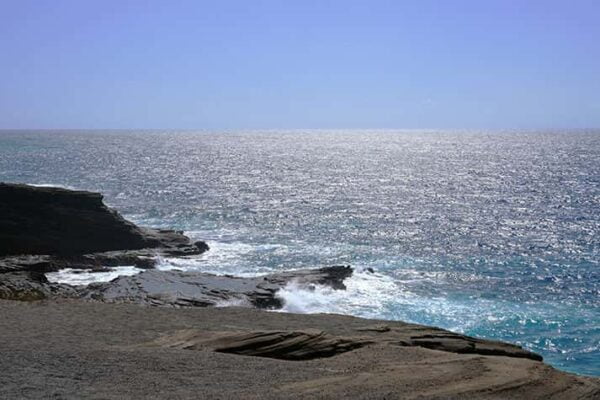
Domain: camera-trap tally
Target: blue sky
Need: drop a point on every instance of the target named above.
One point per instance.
(299, 64)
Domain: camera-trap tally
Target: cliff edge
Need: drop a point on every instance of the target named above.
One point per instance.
(61, 222)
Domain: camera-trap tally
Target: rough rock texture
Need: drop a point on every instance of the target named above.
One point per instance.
(412, 335)
(46, 229)
(55, 221)
(26, 286)
(309, 344)
(23, 278)
(449, 341)
(74, 349)
(187, 289)
(284, 345)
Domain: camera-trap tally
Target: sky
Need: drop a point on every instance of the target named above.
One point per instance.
(253, 64)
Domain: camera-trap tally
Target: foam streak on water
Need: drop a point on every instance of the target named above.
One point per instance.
(82, 277)
(495, 234)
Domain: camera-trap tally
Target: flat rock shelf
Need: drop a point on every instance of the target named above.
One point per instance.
(75, 349)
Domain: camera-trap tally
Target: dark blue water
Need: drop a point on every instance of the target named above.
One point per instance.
(492, 234)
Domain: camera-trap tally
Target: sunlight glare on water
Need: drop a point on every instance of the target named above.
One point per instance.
(493, 234)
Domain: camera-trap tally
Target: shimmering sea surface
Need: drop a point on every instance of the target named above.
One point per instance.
(494, 234)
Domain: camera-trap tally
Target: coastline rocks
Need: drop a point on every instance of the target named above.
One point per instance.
(411, 335)
(284, 345)
(450, 341)
(45, 229)
(249, 350)
(28, 287)
(194, 289)
(80, 349)
(309, 344)
(61, 222)
(23, 278)
(201, 246)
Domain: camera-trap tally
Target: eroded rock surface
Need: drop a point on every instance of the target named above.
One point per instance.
(45, 229)
(194, 289)
(284, 345)
(411, 335)
(307, 344)
(78, 349)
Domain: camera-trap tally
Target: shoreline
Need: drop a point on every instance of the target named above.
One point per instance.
(72, 349)
(162, 334)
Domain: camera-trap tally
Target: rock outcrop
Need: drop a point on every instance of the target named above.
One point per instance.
(308, 344)
(45, 229)
(284, 345)
(80, 349)
(61, 222)
(194, 289)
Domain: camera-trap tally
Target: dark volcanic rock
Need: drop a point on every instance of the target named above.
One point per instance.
(55, 221)
(27, 286)
(23, 278)
(193, 289)
(202, 246)
(46, 229)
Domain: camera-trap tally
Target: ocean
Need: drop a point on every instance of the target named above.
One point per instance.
(492, 234)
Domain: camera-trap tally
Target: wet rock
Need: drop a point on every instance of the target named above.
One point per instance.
(23, 278)
(46, 229)
(202, 246)
(194, 289)
(31, 286)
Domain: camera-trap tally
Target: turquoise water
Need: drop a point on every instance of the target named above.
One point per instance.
(495, 234)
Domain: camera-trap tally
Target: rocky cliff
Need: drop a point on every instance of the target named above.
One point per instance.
(55, 221)
(47, 229)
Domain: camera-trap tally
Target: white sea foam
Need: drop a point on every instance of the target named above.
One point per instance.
(224, 258)
(366, 294)
(57, 185)
(82, 277)
(380, 296)
(233, 303)
(217, 234)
